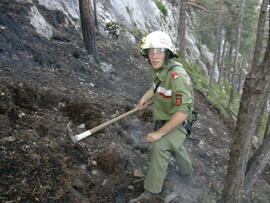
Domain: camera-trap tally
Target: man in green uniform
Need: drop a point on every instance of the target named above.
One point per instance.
(172, 93)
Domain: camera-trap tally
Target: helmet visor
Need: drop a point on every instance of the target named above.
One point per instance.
(156, 50)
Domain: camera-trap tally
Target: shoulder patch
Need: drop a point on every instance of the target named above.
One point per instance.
(175, 75)
(178, 99)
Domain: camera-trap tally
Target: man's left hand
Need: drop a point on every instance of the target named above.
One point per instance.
(153, 136)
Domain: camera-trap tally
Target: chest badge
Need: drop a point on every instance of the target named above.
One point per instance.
(175, 75)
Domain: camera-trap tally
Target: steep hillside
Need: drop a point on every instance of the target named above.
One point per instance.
(47, 83)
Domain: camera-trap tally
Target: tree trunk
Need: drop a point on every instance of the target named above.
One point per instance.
(261, 113)
(266, 131)
(227, 67)
(95, 14)
(221, 65)
(257, 163)
(259, 160)
(217, 42)
(242, 76)
(182, 27)
(237, 47)
(88, 27)
(260, 32)
(256, 85)
(258, 52)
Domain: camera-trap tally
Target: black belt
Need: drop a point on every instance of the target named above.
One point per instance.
(160, 123)
(186, 124)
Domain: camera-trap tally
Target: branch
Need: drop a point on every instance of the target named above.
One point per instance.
(198, 6)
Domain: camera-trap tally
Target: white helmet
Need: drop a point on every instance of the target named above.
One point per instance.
(157, 39)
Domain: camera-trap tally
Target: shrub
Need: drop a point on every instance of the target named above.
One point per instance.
(161, 7)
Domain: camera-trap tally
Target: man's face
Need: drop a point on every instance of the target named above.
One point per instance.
(157, 57)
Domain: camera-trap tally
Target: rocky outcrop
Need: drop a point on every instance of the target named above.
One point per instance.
(134, 17)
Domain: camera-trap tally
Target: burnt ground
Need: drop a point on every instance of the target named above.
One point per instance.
(46, 84)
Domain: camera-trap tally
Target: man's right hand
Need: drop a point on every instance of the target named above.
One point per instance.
(146, 99)
(142, 104)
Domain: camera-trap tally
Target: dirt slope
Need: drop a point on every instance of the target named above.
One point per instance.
(46, 84)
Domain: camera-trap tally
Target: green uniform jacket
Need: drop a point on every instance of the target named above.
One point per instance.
(174, 93)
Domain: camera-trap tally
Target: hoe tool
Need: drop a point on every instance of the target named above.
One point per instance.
(76, 138)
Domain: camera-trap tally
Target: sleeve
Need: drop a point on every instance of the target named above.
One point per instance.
(182, 91)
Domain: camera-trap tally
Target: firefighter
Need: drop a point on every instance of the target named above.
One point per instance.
(172, 93)
(112, 28)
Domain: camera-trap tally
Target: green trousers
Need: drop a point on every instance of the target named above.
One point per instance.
(161, 151)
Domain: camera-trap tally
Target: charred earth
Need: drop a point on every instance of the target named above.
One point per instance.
(47, 83)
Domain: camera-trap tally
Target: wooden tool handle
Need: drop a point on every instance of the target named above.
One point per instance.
(85, 134)
(109, 122)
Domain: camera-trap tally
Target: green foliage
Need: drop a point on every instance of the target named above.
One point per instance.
(198, 77)
(249, 30)
(263, 124)
(161, 7)
(205, 23)
(136, 32)
(205, 33)
(176, 2)
(218, 94)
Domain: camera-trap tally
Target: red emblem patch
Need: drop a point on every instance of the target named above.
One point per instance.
(178, 99)
(175, 75)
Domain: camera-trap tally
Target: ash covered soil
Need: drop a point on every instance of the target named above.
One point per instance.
(46, 84)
